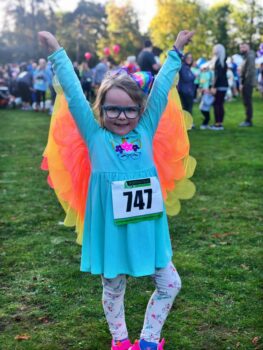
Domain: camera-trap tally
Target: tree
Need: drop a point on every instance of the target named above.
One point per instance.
(219, 23)
(175, 15)
(247, 22)
(79, 31)
(122, 29)
(23, 19)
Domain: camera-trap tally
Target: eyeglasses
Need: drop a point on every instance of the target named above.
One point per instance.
(113, 112)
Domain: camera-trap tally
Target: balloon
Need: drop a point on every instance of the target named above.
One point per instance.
(106, 51)
(87, 55)
(116, 49)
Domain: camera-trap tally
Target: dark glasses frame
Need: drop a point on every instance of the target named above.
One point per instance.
(121, 109)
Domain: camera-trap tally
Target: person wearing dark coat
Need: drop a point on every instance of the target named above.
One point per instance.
(248, 82)
(146, 59)
(25, 86)
(220, 85)
(186, 86)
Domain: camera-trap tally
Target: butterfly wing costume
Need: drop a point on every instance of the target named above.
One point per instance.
(85, 174)
(66, 158)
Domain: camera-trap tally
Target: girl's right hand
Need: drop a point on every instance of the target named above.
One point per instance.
(48, 41)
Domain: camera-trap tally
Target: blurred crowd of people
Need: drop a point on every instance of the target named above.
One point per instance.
(29, 86)
(207, 82)
(212, 82)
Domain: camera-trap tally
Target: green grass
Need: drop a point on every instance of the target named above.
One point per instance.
(216, 238)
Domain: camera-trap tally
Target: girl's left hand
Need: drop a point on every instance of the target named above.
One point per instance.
(183, 38)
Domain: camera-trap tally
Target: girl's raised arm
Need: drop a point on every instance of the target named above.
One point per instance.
(158, 97)
(78, 105)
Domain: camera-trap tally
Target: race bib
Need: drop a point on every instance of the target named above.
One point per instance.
(136, 200)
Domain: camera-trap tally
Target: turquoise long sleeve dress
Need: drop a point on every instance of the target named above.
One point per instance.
(110, 249)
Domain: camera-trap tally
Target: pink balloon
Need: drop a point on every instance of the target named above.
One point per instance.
(87, 55)
(106, 51)
(116, 49)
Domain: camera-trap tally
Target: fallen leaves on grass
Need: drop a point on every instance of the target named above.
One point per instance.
(43, 319)
(22, 337)
(255, 340)
(223, 235)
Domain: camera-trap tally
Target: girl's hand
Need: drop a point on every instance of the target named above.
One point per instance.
(48, 41)
(183, 38)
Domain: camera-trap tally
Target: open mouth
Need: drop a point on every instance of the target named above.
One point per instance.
(121, 125)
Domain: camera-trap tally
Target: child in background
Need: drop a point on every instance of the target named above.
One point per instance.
(131, 64)
(207, 101)
(231, 84)
(206, 77)
(137, 246)
(196, 70)
(260, 79)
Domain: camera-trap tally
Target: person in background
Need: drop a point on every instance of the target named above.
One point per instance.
(41, 83)
(206, 77)
(248, 82)
(196, 70)
(260, 79)
(25, 86)
(231, 84)
(32, 68)
(186, 86)
(51, 88)
(131, 65)
(234, 68)
(86, 79)
(100, 71)
(206, 103)
(146, 59)
(76, 69)
(220, 85)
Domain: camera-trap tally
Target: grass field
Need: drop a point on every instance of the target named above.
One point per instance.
(216, 238)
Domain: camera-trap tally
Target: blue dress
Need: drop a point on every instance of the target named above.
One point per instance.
(137, 248)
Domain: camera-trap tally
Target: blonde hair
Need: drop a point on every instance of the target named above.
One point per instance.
(220, 53)
(120, 81)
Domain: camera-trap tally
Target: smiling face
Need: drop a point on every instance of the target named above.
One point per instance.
(121, 125)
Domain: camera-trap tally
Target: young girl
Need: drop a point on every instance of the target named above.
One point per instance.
(125, 229)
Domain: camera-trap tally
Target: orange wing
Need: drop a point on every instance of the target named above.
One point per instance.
(66, 158)
(171, 154)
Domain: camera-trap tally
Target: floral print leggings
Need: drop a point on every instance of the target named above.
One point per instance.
(168, 285)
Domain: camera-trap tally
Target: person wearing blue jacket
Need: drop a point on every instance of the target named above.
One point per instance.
(186, 85)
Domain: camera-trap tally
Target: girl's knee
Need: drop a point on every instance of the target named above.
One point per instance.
(178, 283)
(168, 281)
(114, 285)
(175, 284)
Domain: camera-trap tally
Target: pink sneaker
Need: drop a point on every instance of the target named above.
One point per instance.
(136, 345)
(121, 345)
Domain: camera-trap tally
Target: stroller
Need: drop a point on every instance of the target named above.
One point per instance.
(4, 94)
